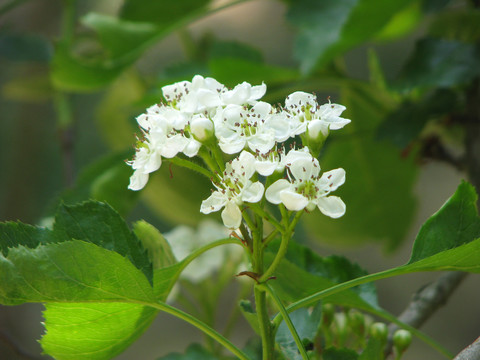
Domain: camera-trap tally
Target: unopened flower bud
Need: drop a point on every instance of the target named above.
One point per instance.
(379, 331)
(402, 340)
(202, 128)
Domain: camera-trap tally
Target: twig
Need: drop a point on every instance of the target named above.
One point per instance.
(471, 352)
(426, 301)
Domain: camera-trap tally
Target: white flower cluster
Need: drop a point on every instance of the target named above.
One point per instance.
(196, 112)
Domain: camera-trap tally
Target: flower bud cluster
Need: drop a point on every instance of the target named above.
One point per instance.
(205, 113)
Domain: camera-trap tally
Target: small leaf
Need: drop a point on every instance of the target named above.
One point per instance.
(71, 271)
(455, 224)
(93, 331)
(249, 314)
(306, 322)
(15, 234)
(100, 224)
(442, 63)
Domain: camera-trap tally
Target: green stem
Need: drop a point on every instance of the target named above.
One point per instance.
(68, 22)
(286, 235)
(264, 324)
(287, 319)
(259, 211)
(190, 165)
(199, 325)
(207, 158)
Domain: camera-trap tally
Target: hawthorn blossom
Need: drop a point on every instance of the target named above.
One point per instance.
(257, 127)
(233, 189)
(305, 189)
(310, 117)
(243, 94)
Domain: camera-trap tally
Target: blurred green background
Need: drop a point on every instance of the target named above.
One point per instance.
(73, 76)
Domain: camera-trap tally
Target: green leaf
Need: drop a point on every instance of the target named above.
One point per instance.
(460, 25)
(405, 124)
(159, 250)
(71, 271)
(93, 331)
(15, 234)
(119, 37)
(306, 322)
(99, 224)
(342, 25)
(193, 352)
(339, 354)
(74, 74)
(402, 23)
(24, 47)
(442, 63)
(160, 11)
(379, 183)
(455, 224)
(302, 273)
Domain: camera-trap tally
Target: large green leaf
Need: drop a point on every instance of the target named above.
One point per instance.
(442, 63)
(98, 223)
(70, 271)
(93, 331)
(329, 28)
(302, 273)
(378, 190)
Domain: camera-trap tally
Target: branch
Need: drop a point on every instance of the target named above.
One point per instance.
(472, 352)
(426, 301)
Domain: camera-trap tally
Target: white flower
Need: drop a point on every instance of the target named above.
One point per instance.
(257, 127)
(305, 189)
(201, 127)
(184, 240)
(233, 189)
(199, 95)
(308, 115)
(243, 94)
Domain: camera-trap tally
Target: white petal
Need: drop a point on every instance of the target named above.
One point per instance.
(299, 98)
(257, 92)
(153, 163)
(261, 142)
(331, 206)
(231, 147)
(316, 128)
(138, 180)
(192, 147)
(293, 201)
(174, 145)
(253, 193)
(231, 215)
(239, 95)
(337, 123)
(213, 203)
(304, 169)
(331, 180)
(273, 192)
(266, 167)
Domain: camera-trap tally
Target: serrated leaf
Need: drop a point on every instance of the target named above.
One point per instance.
(15, 234)
(455, 224)
(306, 322)
(442, 63)
(93, 331)
(342, 25)
(70, 271)
(302, 273)
(99, 224)
(378, 190)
